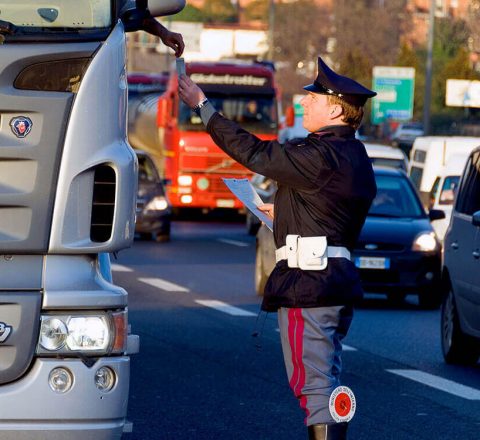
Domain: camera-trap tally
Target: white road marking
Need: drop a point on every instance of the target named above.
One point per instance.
(120, 268)
(234, 242)
(440, 383)
(224, 307)
(163, 284)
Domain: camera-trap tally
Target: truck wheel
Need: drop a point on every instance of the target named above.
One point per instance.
(457, 347)
(260, 277)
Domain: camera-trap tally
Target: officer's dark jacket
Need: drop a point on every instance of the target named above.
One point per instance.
(325, 187)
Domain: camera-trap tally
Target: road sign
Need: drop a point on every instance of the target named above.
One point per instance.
(394, 87)
(463, 93)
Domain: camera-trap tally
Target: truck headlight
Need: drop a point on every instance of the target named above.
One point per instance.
(425, 242)
(157, 204)
(185, 180)
(87, 333)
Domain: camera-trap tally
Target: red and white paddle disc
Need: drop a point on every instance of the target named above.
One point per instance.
(342, 404)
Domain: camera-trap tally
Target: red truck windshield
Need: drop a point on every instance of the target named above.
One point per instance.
(254, 113)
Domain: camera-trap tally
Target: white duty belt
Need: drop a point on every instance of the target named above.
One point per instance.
(309, 253)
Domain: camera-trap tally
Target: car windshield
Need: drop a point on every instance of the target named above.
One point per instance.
(146, 170)
(254, 113)
(395, 198)
(41, 15)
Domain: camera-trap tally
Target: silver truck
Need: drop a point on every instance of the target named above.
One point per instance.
(67, 198)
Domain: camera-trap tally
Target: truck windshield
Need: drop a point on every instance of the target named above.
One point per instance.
(254, 113)
(40, 16)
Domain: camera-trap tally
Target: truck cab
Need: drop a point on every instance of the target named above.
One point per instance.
(67, 199)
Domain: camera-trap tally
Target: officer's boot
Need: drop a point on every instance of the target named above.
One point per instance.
(334, 431)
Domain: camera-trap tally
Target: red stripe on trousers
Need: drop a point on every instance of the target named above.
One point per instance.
(296, 326)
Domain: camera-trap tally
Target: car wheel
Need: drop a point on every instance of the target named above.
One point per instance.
(260, 276)
(457, 347)
(430, 298)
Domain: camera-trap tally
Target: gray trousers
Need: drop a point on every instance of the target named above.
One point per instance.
(311, 343)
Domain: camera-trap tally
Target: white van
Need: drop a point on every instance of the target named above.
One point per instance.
(444, 189)
(430, 154)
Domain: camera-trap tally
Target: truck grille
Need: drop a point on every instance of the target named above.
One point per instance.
(211, 164)
(19, 327)
(103, 204)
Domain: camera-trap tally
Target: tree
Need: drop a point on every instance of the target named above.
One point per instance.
(219, 11)
(301, 32)
(189, 13)
(257, 10)
(408, 57)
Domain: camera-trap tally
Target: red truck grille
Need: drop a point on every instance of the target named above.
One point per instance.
(211, 164)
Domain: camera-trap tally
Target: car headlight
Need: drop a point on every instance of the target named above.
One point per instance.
(425, 242)
(88, 333)
(157, 204)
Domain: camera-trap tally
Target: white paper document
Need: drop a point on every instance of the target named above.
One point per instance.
(245, 192)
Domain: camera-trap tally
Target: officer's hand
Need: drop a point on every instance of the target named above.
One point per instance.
(267, 209)
(190, 93)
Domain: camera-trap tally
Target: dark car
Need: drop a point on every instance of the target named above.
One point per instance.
(397, 252)
(154, 211)
(460, 329)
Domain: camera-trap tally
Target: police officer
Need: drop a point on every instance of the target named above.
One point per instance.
(325, 188)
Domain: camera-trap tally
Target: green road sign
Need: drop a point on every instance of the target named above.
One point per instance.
(394, 87)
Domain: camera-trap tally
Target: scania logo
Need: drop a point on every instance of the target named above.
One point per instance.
(371, 247)
(21, 126)
(5, 331)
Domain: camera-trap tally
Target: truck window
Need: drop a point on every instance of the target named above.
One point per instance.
(416, 175)
(54, 17)
(256, 114)
(449, 189)
(469, 195)
(419, 156)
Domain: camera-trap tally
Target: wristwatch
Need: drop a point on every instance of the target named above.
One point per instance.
(197, 108)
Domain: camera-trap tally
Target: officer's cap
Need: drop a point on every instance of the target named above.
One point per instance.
(330, 83)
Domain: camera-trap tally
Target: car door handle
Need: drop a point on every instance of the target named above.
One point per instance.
(476, 254)
(454, 245)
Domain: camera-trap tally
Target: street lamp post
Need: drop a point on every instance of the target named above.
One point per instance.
(271, 26)
(428, 70)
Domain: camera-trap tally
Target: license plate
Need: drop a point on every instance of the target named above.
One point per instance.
(225, 203)
(372, 263)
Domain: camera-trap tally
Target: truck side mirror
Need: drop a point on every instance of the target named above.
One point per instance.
(476, 218)
(290, 116)
(132, 17)
(165, 7)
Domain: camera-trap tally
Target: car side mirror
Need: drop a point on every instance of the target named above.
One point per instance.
(476, 218)
(132, 17)
(436, 214)
(290, 117)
